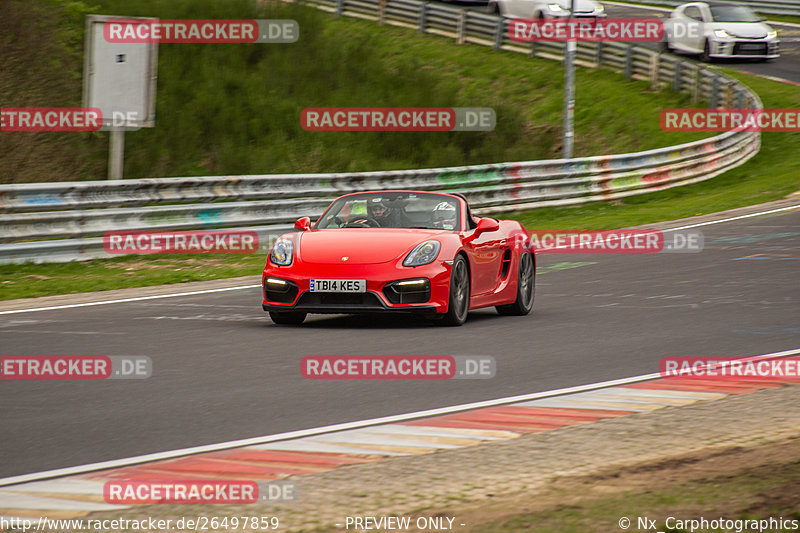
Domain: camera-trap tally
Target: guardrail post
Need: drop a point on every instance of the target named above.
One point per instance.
(498, 33)
(655, 62)
(532, 51)
(696, 85)
(714, 92)
(381, 11)
(423, 14)
(598, 55)
(462, 26)
(629, 62)
(728, 95)
(339, 8)
(739, 100)
(676, 79)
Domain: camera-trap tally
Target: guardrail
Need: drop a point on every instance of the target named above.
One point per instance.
(65, 221)
(767, 7)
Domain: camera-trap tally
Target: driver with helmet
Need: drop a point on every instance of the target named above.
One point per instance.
(378, 211)
(382, 215)
(445, 216)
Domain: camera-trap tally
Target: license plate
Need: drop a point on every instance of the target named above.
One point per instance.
(749, 46)
(338, 285)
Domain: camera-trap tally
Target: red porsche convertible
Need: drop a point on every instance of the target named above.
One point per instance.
(400, 251)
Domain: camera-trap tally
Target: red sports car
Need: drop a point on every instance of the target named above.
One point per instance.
(400, 251)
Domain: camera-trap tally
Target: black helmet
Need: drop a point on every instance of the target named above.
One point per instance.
(376, 203)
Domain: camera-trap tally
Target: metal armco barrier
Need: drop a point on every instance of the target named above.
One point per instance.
(65, 221)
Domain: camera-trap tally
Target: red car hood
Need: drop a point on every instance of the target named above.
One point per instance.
(360, 245)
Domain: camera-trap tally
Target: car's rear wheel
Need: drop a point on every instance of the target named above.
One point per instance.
(526, 289)
(458, 305)
(288, 318)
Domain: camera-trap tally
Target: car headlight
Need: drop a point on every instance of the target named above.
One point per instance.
(557, 8)
(721, 34)
(772, 34)
(599, 9)
(422, 254)
(282, 252)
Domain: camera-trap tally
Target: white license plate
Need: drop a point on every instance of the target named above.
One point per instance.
(338, 285)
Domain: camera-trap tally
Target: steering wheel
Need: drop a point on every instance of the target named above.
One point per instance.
(363, 222)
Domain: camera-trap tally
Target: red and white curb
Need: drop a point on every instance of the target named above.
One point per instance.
(79, 494)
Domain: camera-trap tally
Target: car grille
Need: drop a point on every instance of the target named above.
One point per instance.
(339, 299)
(750, 49)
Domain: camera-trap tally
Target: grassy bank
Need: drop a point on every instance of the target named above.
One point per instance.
(235, 108)
(671, 494)
(772, 174)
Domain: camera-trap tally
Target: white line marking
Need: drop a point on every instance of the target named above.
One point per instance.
(208, 291)
(124, 300)
(740, 217)
(118, 463)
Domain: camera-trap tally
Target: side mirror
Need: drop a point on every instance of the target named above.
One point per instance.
(303, 224)
(485, 225)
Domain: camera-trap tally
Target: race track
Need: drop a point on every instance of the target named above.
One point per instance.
(223, 371)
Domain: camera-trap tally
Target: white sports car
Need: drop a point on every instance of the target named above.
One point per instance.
(547, 9)
(719, 30)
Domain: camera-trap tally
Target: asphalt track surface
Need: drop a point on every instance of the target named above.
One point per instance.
(786, 67)
(222, 371)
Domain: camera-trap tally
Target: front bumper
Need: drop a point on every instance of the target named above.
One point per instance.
(745, 48)
(381, 281)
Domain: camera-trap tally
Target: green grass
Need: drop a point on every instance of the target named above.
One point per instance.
(235, 109)
(782, 18)
(30, 280)
(738, 496)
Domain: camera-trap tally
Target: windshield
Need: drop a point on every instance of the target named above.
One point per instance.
(733, 14)
(393, 210)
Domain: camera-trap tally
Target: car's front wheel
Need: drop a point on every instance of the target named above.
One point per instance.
(705, 55)
(458, 306)
(289, 318)
(526, 288)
